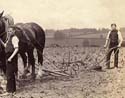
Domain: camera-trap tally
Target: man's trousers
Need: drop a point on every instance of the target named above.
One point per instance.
(116, 52)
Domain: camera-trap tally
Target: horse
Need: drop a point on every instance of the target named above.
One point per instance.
(31, 36)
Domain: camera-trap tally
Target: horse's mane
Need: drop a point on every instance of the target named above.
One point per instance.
(9, 18)
(2, 29)
(15, 28)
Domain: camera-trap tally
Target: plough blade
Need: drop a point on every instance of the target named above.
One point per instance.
(55, 72)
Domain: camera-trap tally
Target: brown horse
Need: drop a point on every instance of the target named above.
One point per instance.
(31, 36)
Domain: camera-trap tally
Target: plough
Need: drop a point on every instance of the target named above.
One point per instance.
(97, 66)
(72, 68)
(68, 68)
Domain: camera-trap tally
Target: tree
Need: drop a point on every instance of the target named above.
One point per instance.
(101, 36)
(59, 35)
(86, 42)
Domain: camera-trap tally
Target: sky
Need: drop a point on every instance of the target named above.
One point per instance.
(61, 14)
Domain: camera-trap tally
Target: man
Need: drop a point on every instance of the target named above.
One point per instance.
(11, 48)
(113, 42)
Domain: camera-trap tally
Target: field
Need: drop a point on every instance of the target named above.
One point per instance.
(82, 82)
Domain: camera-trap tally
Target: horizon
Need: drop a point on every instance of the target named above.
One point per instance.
(68, 28)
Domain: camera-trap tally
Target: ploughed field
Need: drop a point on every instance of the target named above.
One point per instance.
(74, 76)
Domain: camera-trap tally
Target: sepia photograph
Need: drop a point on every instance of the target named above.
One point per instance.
(62, 49)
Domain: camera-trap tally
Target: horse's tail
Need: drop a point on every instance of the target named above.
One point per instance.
(41, 42)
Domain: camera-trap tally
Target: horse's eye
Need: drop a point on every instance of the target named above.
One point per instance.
(5, 19)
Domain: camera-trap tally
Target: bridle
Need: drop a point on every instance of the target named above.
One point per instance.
(5, 32)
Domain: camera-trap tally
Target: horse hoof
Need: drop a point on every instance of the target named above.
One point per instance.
(98, 68)
(33, 76)
(40, 73)
(39, 77)
(23, 77)
(26, 71)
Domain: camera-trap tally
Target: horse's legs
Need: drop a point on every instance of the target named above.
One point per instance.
(31, 60)
(40, 57)
(40, 61)
(24, 59)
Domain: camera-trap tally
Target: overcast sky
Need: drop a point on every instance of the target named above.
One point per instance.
(59, 14)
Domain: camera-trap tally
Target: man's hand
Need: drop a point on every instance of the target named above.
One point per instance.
(5, 44)
(10, 59)
(13, 54)
(119, 46)
(105, 46)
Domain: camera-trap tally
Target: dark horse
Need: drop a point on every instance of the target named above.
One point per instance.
(31, 36)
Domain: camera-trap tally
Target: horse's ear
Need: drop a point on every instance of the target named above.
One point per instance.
(1, 14)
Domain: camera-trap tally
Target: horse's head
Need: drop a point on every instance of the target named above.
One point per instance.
(5, 22)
